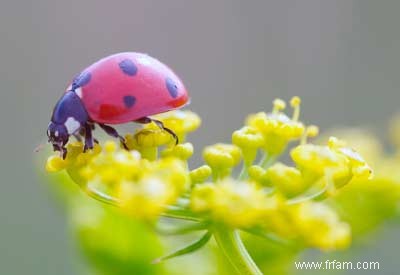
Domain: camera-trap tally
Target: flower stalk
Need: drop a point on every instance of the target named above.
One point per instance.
(231, 245)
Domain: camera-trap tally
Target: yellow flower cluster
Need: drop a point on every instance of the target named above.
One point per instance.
(138, 180)
(246, 205)
(327, 167)
(153, 176)
(237, 204)
(334, 163)
(221, 158)
(319, 226)
(181, 122)
(142, 187)
(276, 128)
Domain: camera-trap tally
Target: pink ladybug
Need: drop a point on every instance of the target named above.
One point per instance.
(117, 89)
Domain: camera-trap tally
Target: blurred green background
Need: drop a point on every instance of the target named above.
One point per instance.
(342, 58)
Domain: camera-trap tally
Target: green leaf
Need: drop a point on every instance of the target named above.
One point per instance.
(188, 249)
(268, 236)
(184, 229)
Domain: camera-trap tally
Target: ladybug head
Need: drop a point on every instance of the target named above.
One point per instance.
(58, 137)
(69, 116)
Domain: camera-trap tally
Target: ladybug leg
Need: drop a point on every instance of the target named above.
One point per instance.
(88, 138)
(112, 132)
(81, 134)
(145, 120)
(78, 137)
(62, 150)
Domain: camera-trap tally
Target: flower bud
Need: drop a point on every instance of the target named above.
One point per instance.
(222, 157)
(200, 174)
(182, 151)
(288, 180)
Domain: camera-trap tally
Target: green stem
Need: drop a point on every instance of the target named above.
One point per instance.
(244, 173)
(267, 161)
(232, 246)
(100, 196)
(312, 194)
(187, 228)
(179, 213)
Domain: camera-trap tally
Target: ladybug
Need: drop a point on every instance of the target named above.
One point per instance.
(117, 89)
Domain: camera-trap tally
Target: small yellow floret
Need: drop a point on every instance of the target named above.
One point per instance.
(152, 138)
(312, 131)
(256, 173)
(179, 121)
(334, 143)
(202, 197)
(110, 147)
(249, 140)
(288, 180)
(55, 164)
(200, 174)
(237, 204)
(277, 129)
(221, 158)
(295, 101)
(320, 226)
(279, 105)
(182, 151)
(247, 137)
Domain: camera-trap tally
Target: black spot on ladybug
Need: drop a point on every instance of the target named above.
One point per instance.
(128, 67)
(171, 87)
(81, 80)
(129, 101)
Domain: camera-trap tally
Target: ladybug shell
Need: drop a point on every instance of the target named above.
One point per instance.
(128, 86)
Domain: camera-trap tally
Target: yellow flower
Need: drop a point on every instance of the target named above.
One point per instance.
(364, 142)
(182, 151)
(288, 180)
(319, 226)
(75, 157)
(316, 161)
(152, 178)
(221, 158)
(55, 164)
(142, 187)
(236, 204)
(276, 127)
(249, 140)
(180, 122)
(202, 197)
(157, 184)
(335, 162)
(152, 138)
(147, 141)
(200, 174)
(258, 174)
(147, 197)
(358, 165)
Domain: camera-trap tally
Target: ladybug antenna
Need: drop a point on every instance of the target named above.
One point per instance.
(39, 148)
(174, 136)
(169, 131)
(145, 120)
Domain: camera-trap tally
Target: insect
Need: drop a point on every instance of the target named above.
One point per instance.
(117, 89)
